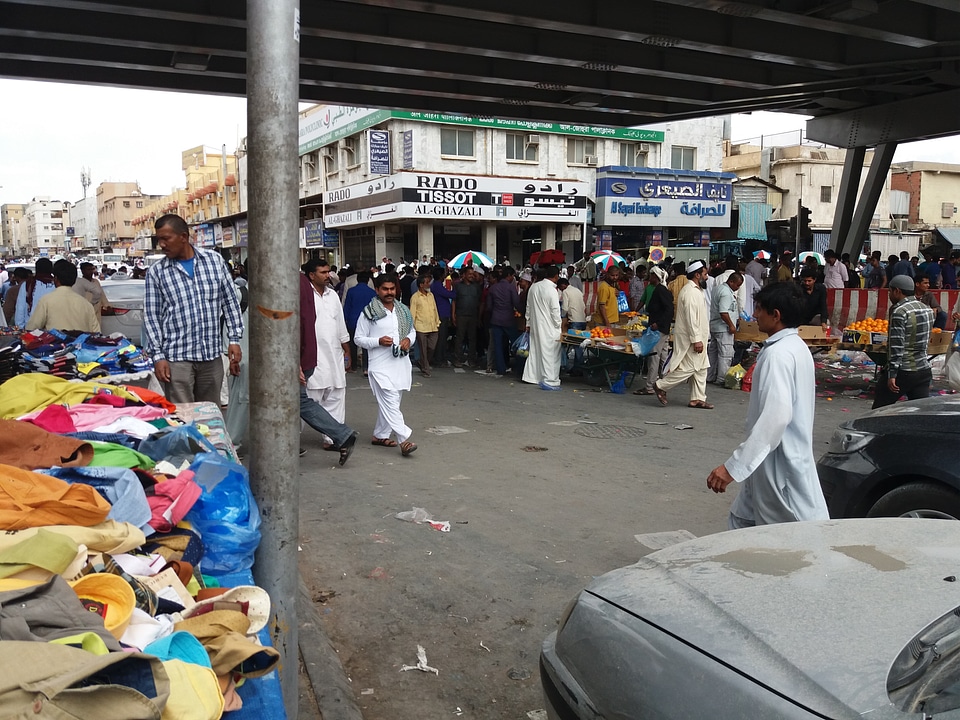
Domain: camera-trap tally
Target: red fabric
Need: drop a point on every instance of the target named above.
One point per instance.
(172, 499)
(747, 383)
(104, 398)
(55, 419)
(152, 398)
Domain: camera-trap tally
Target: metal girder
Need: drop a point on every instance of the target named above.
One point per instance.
(847, 198)
(859, 226)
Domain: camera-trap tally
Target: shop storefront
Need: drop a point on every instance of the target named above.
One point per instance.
(410, 214)
(651, 207)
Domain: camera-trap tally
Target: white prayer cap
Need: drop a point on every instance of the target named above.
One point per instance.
(694, 266)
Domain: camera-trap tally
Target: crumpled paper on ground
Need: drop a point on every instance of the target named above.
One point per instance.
(421, 657)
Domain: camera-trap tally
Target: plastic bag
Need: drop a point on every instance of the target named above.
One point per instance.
(521, 346)
(176, 444)
(648, 341)
(623, 305)
(619, 386)
(734, 377)
(226, 515)
(951, 371)
(747, 383)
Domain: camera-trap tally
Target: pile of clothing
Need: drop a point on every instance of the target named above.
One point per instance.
(112, 591)
(80, 355)
(11, 352)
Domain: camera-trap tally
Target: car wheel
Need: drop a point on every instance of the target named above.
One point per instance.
(918, 500)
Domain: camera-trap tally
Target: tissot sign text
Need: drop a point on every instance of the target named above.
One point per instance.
(423, 195)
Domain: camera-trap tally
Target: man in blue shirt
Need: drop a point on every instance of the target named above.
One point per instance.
(444, 300)
(948, 271)
(903, 267)
(186, 295)
(356, 299)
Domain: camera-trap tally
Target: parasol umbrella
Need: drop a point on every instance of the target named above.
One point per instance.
(471, 257)
(761, 255)
(606, 259)
(818, 256)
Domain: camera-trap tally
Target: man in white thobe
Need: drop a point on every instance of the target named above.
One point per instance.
(543, 324)
(775, 463)
(385, 329)
(328, 383)
(691, 332)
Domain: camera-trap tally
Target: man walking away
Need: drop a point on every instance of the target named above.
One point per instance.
(723, 326)
(63, 309)
(691, 331)
(386, 329)
(503, 301)
(466, 317)
(354, 302)
(660, 314)
(183, 333)
(775, 463)
(425, 321)
(34, 289)
(444, 299)
(543, 323)
(908, 333)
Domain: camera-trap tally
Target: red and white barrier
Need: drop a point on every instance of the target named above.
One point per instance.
(848, 305)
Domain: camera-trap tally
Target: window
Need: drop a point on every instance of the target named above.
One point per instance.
(579, 150)
(683, 158)
(633, 154)
(456, 142)
(351, 150)
(139, 203)
(126, 223)
(126, 203)
(826, 193)
(520, 147)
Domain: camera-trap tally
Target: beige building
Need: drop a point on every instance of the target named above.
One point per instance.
(807, 175)
(934, 190)
(118, 203)
(11, 217)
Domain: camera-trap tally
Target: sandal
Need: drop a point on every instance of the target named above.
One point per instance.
(330, 447)
(700, 405)
(347, 448)
(643, 391)
(407, 447)
(384, 442)
(661, 396)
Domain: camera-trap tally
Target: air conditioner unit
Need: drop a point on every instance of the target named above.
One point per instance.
(196, 202)
(947, 210)
(901, 224)
(219, 193)
(589, 159)
(233, 188)
(328, 151)
(533, 140)
(644, 147)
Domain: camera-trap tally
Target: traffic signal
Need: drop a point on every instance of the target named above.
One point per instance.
(793, 229)
(804, 219)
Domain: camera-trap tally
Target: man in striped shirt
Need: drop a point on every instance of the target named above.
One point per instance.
(186, 295)
(908, 367)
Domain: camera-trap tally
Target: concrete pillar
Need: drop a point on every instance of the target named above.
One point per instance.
(425, 239)
(548, 237)
(489, 240)
(380, 242)
(273, 61)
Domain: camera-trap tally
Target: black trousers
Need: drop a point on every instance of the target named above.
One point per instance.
(915, 385)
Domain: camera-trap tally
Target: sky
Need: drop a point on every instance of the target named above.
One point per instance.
(52, 130)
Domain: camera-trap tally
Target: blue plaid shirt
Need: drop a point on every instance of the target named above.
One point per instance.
(182, 314)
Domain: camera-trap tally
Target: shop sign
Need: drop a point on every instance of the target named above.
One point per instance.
(331, 238)
(648, 201)
(408, 149)
(241, 228)
(228, 237)
(378, 142)
(313, 233)
(205, 236)
(331, 122)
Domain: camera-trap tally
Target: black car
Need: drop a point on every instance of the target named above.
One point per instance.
(901, 460)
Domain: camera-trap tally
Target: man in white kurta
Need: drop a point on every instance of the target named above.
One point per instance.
(328, 383)
(543, 324)
(776, 463)
(691, 332)
(385, 329)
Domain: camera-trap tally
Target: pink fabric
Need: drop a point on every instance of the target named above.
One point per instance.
(89, 417)
(55, 419)
(171, 501)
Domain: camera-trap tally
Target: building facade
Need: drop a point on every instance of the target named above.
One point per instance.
(118, 203)
(85, 236)
(11, 229)
(46, 224)
(934, 193)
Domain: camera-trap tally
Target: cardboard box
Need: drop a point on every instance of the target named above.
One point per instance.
(749, 331)
(811, 332)
(939, 343)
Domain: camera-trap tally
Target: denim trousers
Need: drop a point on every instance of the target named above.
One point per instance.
(314, 415)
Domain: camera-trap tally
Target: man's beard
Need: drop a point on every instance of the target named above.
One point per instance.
(702, 284)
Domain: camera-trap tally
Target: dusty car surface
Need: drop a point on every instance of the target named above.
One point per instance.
(900, 460)
(834, 619)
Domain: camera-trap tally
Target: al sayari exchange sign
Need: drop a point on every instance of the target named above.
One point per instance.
(441, 196)
(683, 200)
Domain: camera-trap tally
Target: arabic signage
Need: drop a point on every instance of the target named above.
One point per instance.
(331, 122)
(313, 233)
(443, 196)
(654, 201)
(379, 143)
(205, 235)
(331, 238)
(407, 150)
(241, 229)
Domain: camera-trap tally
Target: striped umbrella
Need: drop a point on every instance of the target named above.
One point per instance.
(471, 257)
(606, 259)
(761, 255)
(816, 255)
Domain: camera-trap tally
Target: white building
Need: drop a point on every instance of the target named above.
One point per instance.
(83, 220)
(46, 223)
(406, 184)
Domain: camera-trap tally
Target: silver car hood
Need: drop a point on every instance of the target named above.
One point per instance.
(811, 610)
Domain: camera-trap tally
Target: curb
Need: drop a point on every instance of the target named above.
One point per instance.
(331, 688)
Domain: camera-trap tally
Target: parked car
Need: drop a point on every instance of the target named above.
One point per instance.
(834, 619)
(900, 460)
(123, 311)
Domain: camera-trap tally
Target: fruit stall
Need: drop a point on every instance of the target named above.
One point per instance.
(606, 353)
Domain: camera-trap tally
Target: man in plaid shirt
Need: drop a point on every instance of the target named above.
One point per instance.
(908, 366)
(187, 294)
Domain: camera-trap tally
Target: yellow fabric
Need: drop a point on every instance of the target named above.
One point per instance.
(109, 536)
(25, 393)
(63, 309)
(675, 286)
(423, 307)
(607, 297)
(194, 692)
(29, 499)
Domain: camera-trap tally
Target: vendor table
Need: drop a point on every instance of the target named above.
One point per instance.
(605, 362)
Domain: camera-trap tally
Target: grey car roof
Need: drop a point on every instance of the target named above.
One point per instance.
(804, 608)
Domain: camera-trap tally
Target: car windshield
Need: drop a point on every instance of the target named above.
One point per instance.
(124, 290)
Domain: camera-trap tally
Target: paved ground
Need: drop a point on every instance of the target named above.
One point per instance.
(529, 528)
